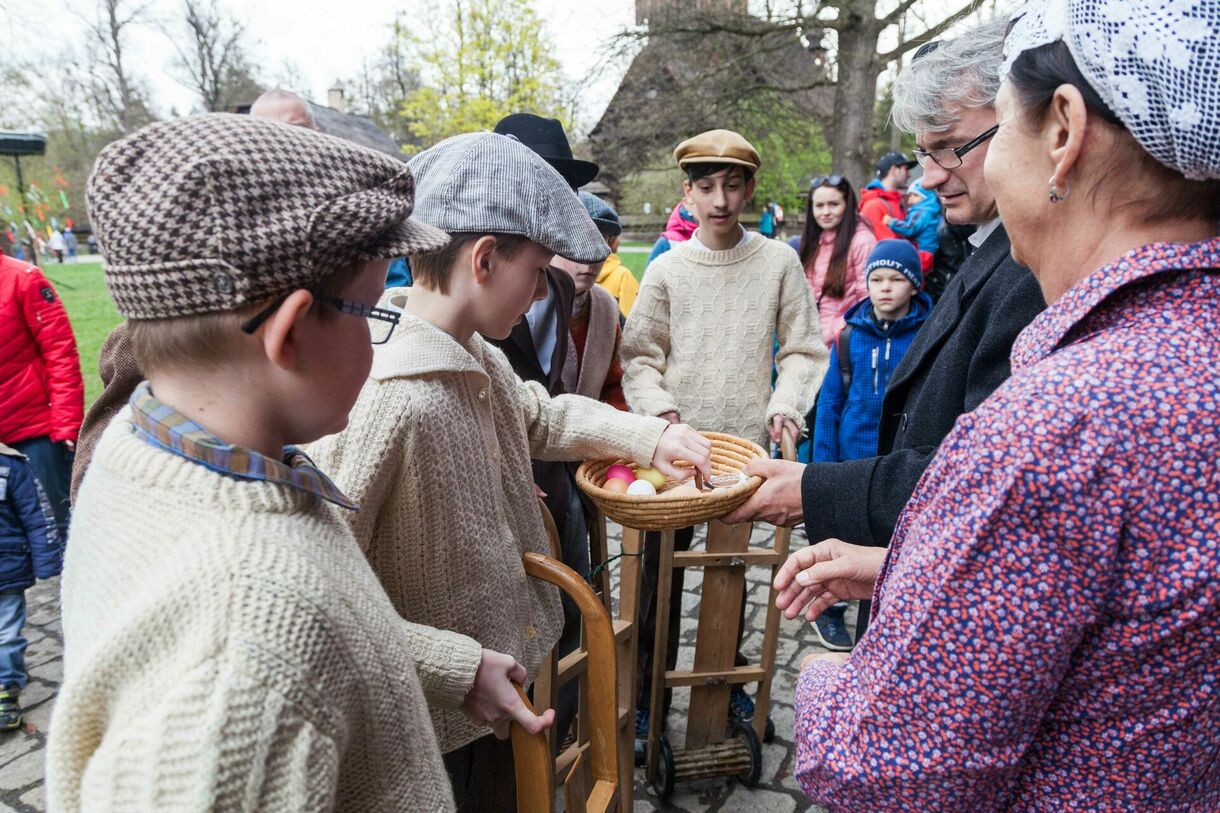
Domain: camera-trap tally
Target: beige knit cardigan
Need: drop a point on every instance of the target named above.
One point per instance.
(437, 452)
(228, 648)
(699, 340)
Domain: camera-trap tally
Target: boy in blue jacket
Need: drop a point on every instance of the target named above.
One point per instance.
(30, 547)
(923, 218)
(877, 333)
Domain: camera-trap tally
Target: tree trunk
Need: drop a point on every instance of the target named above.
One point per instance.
(851, 131)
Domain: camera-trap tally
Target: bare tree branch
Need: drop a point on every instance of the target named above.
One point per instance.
(932, 33)
(899, 12)
(212, 56)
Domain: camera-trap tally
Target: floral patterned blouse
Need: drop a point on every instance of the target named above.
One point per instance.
(1046, 629)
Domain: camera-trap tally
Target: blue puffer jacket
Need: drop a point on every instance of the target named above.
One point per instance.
(29, 542)
(922, 220)
(847, 418)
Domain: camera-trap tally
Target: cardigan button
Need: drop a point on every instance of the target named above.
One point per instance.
(483, 394)
(530, 632)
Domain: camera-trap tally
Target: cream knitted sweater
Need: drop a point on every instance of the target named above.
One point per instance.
(437, 452)
(227, 647)
(700, 338)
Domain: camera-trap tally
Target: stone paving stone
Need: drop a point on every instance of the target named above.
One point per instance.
(22, 752)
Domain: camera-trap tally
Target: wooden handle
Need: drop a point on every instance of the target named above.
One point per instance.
(787, 445)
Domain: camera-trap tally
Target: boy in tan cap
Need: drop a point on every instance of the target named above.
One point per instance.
(227, 646)
(698, 346)
(439, 445)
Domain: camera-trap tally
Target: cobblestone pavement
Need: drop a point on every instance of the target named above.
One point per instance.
(22, 752)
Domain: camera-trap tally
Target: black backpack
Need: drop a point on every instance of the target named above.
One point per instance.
(843, 349)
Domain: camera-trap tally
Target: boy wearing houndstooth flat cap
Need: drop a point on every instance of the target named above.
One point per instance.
(226, 645)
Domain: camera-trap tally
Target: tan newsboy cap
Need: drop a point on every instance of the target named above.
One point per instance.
(212, 212)
(718, 147)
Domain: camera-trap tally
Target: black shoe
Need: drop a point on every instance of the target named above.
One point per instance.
(10, 709)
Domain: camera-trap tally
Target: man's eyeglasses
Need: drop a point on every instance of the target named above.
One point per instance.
(826, 180)
(950, 158)
(381, 321)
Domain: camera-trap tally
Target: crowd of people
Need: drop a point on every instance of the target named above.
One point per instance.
(299, 509)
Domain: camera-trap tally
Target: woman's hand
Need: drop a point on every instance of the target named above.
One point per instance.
(680, 442)
(493, 700)
(816, 577)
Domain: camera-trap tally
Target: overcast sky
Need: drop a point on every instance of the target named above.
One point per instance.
(324, 40)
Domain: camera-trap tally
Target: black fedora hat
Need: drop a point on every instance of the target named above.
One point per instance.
(546, 137)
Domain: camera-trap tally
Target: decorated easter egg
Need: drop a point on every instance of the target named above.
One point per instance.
(642, 488)
(651, 475)
(620, 472)
(616, 485)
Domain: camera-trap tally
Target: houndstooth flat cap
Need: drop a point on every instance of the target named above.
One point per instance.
(486, 182)
(212, 212)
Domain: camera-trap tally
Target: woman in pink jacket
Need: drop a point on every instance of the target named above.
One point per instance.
(834, 246)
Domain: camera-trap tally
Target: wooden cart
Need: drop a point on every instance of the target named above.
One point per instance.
(713, 747)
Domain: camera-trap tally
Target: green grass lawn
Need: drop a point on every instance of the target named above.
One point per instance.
(93, 316)
(634, 262)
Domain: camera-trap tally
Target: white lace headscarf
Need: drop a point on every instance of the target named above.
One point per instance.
(1155, 63)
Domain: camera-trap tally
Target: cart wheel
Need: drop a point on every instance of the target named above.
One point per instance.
(769, 731)
(663, 785)
(750, 776)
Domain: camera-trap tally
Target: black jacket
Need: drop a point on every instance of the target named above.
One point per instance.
(958, 359)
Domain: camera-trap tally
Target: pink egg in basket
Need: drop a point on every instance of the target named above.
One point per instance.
(620, 472)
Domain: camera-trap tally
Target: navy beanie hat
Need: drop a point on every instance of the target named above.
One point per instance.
(899, 255)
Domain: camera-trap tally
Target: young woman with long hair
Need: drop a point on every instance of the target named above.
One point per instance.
(834, 246)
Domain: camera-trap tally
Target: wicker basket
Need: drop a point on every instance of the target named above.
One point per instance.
(663, 512)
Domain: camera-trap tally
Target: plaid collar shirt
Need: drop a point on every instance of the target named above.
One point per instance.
(164, 427)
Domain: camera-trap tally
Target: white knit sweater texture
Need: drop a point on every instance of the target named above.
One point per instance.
(699, 340)
(228, 648)
(437, 452)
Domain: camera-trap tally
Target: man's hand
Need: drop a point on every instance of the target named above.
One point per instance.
(670, 416)
(837, 658)
(493, 700)
(778, 425)
(816, 577)
(680, 442)
(778, 499)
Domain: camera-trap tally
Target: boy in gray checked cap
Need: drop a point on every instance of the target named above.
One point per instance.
(226, 645)
(440, 440)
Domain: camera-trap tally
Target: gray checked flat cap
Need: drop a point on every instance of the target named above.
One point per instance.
(212, 212)
(490, 183)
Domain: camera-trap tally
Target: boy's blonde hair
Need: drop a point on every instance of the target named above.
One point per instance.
(205, 341)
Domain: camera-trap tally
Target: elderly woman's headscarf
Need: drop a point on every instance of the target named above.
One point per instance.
(1154, 63)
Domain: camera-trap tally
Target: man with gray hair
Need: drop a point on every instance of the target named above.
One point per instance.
(285, 106)
(947, 98)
